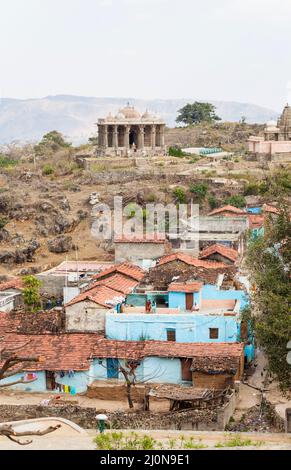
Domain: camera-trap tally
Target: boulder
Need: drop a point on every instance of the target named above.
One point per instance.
(60, 244)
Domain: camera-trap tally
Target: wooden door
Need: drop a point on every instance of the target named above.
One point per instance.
(186, 372)
(189, 301)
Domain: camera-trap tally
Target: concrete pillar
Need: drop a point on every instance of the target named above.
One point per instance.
(115, 137)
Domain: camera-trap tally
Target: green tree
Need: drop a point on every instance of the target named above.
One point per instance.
(268, 260)
(212, 201)
(200, 190)
(51, 142)
(237, 201)
(180, 195)
(31, 293)
(196, 113)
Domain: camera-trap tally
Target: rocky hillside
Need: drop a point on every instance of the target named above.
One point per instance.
(74, 116)
(46, 198)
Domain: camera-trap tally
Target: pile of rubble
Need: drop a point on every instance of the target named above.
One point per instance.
(259, 418)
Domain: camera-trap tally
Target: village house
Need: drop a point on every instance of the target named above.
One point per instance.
(67, 280)
(184, 267)
(200, 232)
(11, 295)
(86, 311)
(220, 253)
(69, 362)
(139, 249)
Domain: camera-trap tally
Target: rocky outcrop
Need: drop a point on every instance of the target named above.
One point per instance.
(20, 255)
(60, 244)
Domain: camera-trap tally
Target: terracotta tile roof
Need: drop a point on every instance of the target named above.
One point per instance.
(223, 250)
(227, 208)
(13, 284)
(56, 352)
(148, 238)
(256, 221)
(216, 365)
(130, 270)
(190, 260)
(106, 348)
(272, 209)
(185, 287)
(101, 295)
(118, 282)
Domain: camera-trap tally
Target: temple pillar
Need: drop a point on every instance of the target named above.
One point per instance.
(141, 138)
(126, 137)
(153, 139)
(162, 136)
(115, 137)
(105, 141)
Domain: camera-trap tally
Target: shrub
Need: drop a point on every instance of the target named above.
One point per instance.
(47, 170)
(237, 201)
(251, 189)
(180, 195)
(6, 162)
(3, 222)
(212, 201)
(200, 190)
(177, 152)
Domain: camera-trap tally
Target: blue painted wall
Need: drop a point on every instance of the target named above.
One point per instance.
(80, 381)
(38, 385)
(210, 292)
(178, 299)
(151, 369)
(189, 328)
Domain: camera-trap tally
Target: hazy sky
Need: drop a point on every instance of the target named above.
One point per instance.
(206, 49)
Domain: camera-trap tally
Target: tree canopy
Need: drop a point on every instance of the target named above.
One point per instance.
(269, 263)
(196, 113)
(51, 142)
(31, 293)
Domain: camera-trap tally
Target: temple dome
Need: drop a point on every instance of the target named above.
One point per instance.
(149, 116)
(129, 112)
(272, 123)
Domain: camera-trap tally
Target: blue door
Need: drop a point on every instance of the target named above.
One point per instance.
(112, 368)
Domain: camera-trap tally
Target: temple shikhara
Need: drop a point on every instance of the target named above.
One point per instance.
(130, 133)
(277, 136)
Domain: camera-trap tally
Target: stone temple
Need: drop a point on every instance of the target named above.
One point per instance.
(130, 134)
(277, 136)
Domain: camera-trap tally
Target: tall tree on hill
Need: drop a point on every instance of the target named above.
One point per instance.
(196, 113)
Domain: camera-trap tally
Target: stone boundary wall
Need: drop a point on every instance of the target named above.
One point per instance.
(196, 420)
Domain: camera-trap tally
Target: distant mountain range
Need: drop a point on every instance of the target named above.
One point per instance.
(75, 116)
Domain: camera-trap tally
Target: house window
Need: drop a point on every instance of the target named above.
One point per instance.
(213, 333)
(171, 335)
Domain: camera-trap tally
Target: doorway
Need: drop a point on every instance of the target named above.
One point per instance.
(186, 372)
(133, 138)
(189, 301)
(112, 368)
(50, 380)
